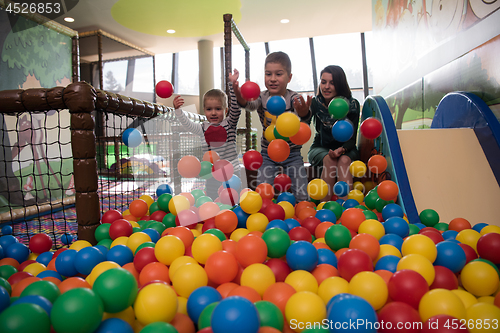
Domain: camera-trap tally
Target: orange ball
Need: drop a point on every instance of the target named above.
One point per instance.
(244, 291)
(384, 274)
(211, 156)
(320, 230)
(208, 210)
(183, 323)
(184, 233)
(265, 190)
(221, 267)
(9, 261)
(321, 245)
(303, 135)
(18, 288)
(189, 166)
(251, 249)
(306, 212)
(225, 288)
(303, 204)
(52, 279)
(131, 268)
(458, 224)
(229, 245)
(387, 190)
(278, 150)
(366, 243)
(138, 208)
(352, 218)
(154, 271)
(226, 221)
(340, 252)
(189, 196)
(377, 164)
(72, 283)
(323, 271)
(278, 294)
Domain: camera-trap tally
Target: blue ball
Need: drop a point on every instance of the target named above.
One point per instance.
(235, 314)
(388, 263)
(104, 250)
(49, 273)
(326, 256)
(341, 189)
(302, 255)
(450, 255)
(242, 216)
(478, 227)
(162, 189)
(276, 105)
(114, 325)
(131, 137)
(342, 130)
(45, 258)
(292, 223)
(152, 233)
(120, 254)
(1, 252)
(326, 215)
(199, 299)
(350, 203)
(397, 225)
(7, 240)
(392, 210)
(87, 258)
(345, 309)
(41, 301)
(286, 196)
(234, 182)
(18, 251)
(392, 239)
(7, 230)
(449, 234)
(4, 299)
(278, 224)
(65, 263)
(66, 239)
(420, 225)
(340, 201)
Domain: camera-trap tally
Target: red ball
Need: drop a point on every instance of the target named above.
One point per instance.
(158, 215)
(222, 170)
(111, 216)
(274, 212)
(18, 276)
(164, 89)
(24, 264)
(352, 262)
(470, 253)
(40, 243)
(279, 267)
(444, 279)
(435, 236)
(311, 223)
(399, 316)
(444, 323)
(252, 160)
(208, 224)
(250, 91)
(120, 228)
(488, 247)
(265, 203)
(407, 286)
(229, 196)
(282, 183)
(143, 257)
(371, 128)
(300, 234)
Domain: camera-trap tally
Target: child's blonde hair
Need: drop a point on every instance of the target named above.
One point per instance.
(216, 93)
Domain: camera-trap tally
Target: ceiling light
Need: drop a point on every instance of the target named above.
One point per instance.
(69, 19)
(285, 21)
(171, 31)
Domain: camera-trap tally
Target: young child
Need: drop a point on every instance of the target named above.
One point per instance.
(278, 73)
(215, 108)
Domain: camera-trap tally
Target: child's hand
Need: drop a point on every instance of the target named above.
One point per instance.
(302, 106)
(336, 153)
(178, 102)
(234, 76)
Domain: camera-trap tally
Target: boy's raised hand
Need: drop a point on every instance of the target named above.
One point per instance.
(236, 87)
(302, 106)
(178, 102)
(233, 77)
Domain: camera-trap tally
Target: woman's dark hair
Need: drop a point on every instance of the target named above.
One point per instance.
(339, 81)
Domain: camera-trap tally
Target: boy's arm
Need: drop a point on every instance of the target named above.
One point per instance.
(189, 125)
(234, 108)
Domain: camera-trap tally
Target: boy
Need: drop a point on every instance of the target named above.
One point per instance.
(278, 73)
(223, 142)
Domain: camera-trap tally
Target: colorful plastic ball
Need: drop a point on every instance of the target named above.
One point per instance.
(377, 164)
(478, 315)
(317, 189)
(366, 243)
(342, 130)
(407, 286)
(252, 160)
(441, 301)
(387, 190)
(349, 203)
(479, 278)
(155, 302)
(338, 107)
(304, 308)
(326, 256)
(274, 212)
(120, 228)
(250, 91)
(117, 288)
(353, 261)
(488, 247)
(200, 299)
(14, 319)
(302, 255)
(18, 251)
(276, 105)
(114, 325)
(450, 255)
(459, 224)
(419, 244)
(258, 277)
(235, 314)
(65, 263)
(164, 89)
(370, 287)
(162, 189)
(419, 264)
(110, 216)
(444, 279)
(168, 248)
(429, 217)
(269, 315)
(396, 225)
(251, 249)
(250, 202)
(121, 254)
(222, 170)
(277, 241)
(282, 183)
(288, 124)
(401, 315)
(337, 237)
(357, 169)
(343, 309)
(371, 128)
(189, 166)
(131, 137)
(40, 243)
(221, 267)
(177, 204)
(392, 210)
(479, 226)
(286, 196)
(388, 263)
(278, 150)
(87, 258)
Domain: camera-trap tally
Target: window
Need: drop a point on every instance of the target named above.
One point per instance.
(143, 75)
(115, 75)
(188, 70)
(163, 67)
(369, 49)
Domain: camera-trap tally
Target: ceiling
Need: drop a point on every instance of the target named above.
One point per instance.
(144, 23)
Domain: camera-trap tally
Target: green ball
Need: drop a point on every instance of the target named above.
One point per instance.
(335, 207)
(371, 199)
(143, 245)
(102, 232)
(153, 208)
(338, 107)
(441, 226)
(269, 315)
(6, 271)
(4, 283)
(106, 243)
(25, 317)
(413, 229)
(337, 237)
(136, 229)
(117, 289)
(277, 241)
(429, 217)
(197, 193)
(216, 232)
(201, 200)
(169, 221)
(204, 320)
(47, 289)
(361, 207)
(159, 327)
(158, 226)
(78, 310)
(277, 135)
(489, 263)
(369, 215)
(163, 201)
(224, 206)
(206, 170)
(381, 203)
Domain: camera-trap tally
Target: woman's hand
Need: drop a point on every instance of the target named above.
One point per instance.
(178, 102)
(336, 153)
(302, 106)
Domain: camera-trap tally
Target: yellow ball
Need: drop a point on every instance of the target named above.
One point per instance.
(386, 250)
(479, 278)
(155, 302)
(303, 309)
(486, 299)
(289, 209)
(419, 244)
(178, 262)
(168, 248)
(441, 301)
(79, 244)
(149, 199)
(188, 278)
(288, 124)
(123, 240)
(177, 204)
(369, 185)
(483, 317)
(356, 195)
(469, 237)
(371, 287)
(359, 186)
(126, 212)
(466, 297)
(127, 315)
(258, 277)
(317, 189)
(238, 233)
(419, 264)
(269, 133)
(257, 222)
(35, 268)
(196, 232)
(182, 305)
(320, 205)
(134, 224)
(332, 286)
(136, 239)
(204, 245)
(99, 269)
(489, 229)
(250, 202)
(32, 256)
(320, 240)
(357, 169)
(372, 227)
(302, 281)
